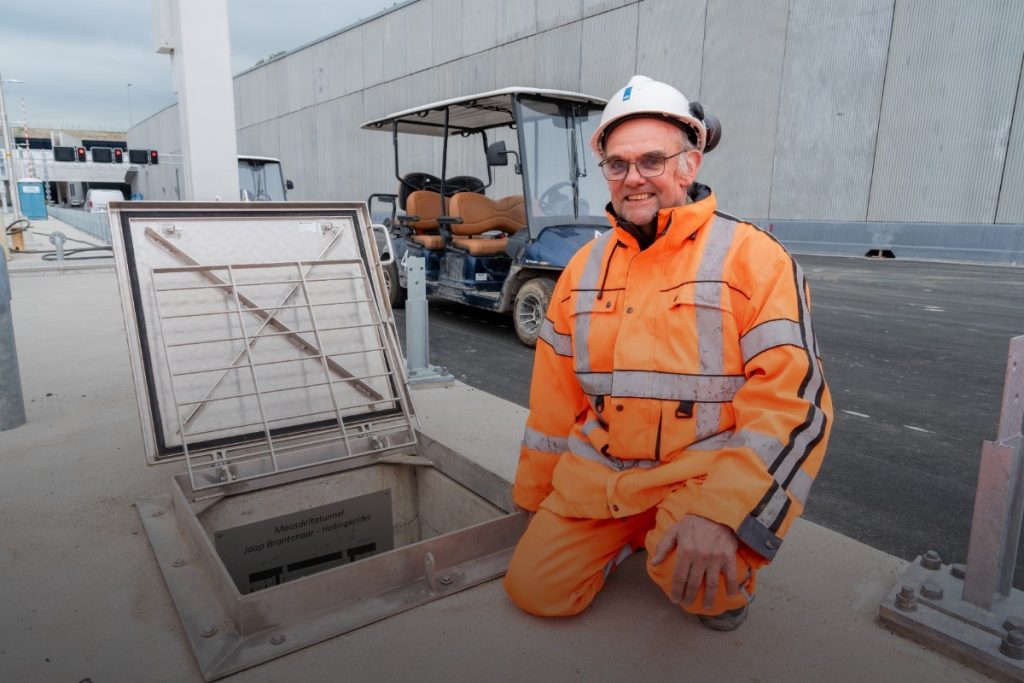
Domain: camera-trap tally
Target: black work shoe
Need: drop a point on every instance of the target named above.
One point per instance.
(729, 620)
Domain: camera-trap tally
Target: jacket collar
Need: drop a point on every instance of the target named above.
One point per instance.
(677, 223)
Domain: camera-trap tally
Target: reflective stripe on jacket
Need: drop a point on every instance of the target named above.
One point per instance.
(685, 374)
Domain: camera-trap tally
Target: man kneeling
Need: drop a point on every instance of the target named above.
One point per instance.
(677, 402)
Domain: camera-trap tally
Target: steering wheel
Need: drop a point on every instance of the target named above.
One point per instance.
(551, 199)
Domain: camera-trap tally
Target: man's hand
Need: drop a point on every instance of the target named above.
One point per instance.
(704, 551)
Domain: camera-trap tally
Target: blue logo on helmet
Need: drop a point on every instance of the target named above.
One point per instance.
(626, 93)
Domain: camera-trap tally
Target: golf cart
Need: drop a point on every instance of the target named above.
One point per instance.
(497, 242)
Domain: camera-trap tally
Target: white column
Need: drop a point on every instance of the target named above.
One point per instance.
(195, 34)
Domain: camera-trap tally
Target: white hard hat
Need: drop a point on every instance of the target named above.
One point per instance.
(643, 96)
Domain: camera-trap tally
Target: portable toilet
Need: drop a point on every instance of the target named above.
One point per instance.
(33, 198)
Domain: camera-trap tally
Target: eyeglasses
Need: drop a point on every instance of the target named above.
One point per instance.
(648, 166)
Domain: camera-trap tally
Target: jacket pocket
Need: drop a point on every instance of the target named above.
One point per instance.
(698, 294)
(586, 302)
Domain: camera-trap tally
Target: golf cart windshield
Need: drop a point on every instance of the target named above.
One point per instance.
(260, 179)
(563, 184)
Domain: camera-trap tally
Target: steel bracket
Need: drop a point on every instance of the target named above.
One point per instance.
(949, 622)
(973, 611)
(417, 332)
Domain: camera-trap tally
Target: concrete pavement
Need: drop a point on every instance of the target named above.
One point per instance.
(82, 597)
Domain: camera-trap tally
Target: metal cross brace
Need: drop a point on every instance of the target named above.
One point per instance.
(269, 320)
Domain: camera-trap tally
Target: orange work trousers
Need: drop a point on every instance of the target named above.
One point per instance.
(561, 563)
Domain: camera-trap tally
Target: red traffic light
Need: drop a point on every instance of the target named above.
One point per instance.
(154, 158)
(118, 155)
(81, 153)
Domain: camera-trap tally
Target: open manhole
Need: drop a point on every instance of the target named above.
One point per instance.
(265, 358)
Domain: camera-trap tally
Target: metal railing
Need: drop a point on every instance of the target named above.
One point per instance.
(94, 224)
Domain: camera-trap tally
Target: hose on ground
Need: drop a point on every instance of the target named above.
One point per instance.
(69, 254)
(14, 227)
(23, 224)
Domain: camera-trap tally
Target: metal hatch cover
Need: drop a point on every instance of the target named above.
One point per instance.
(259, 335)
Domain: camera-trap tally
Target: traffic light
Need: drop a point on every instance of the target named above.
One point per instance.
(154, 158)
(81, 153)
(118, 155)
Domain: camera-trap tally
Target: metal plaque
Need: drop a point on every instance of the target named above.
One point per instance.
(273, 551)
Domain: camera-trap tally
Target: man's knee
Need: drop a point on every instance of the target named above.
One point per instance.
(525, 586)
(548, 575)
(532, 591)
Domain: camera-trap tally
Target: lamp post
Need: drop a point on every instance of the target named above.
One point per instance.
(12, 177)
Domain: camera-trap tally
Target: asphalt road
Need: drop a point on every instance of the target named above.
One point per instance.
(915, 355)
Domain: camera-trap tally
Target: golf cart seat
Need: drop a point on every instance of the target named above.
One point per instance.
(480, 215)
(411, 182)
(424, 208)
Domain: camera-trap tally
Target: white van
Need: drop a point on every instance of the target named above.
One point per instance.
(97, 200)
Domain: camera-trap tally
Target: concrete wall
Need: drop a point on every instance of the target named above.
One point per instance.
(832, 81)
(164, 182)
(947, 110)
(875, 110)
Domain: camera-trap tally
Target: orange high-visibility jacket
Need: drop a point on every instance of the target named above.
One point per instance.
(685, 374)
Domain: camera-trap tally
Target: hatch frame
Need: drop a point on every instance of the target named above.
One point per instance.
(135, 263)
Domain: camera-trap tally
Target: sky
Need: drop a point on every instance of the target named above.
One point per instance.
(77, 57)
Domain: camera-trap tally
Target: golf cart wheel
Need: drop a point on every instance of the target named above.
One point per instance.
(396, 292)
(531, 306)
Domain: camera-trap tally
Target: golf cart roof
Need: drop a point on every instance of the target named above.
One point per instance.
(470, 113)
(255, 157)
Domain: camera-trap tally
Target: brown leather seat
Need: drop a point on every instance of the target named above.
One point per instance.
(425, 205)
(428, 241)
(481, 246)
(480, 214)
